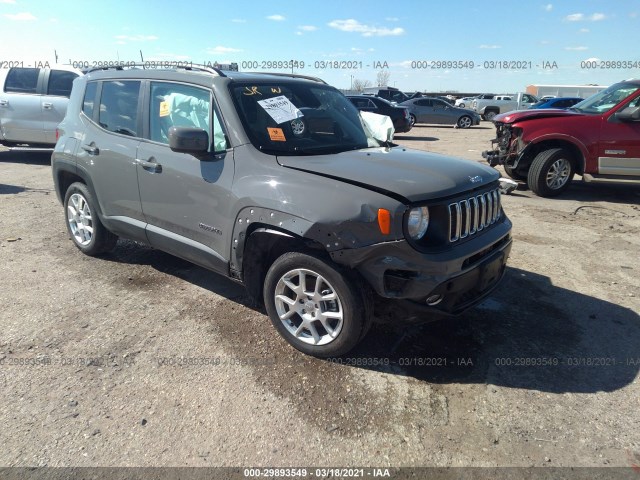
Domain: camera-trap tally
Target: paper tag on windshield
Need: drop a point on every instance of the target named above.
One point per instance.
(280, 109)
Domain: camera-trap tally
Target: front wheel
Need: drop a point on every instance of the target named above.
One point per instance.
(551, 172)
(515, 174)
(316, 308)
(465, 122)
(86, 230)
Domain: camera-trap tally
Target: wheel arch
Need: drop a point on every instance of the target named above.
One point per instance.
(533, 149)
(262, 245)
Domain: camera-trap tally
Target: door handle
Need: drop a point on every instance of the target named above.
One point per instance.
(150, 165)
(91, 149)
(4, 103)
(47, 105)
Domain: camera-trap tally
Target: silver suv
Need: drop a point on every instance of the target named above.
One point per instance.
(276, 181)
(33, 101)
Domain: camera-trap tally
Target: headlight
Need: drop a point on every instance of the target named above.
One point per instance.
(418, 222)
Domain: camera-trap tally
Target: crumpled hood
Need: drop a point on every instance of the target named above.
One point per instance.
(518, 115)
(413, 175)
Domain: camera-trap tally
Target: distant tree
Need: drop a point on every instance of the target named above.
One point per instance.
(382, 79)
(360, 85)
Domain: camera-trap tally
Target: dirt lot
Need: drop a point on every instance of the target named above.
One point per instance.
(101, 359)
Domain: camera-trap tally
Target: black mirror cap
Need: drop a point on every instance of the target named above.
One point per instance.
(188, 140)
(629, 114)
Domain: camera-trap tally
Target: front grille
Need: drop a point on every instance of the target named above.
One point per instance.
(472, 215)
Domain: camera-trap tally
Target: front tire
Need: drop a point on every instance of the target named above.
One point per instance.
(514, 173)
(551, 172)
(316, 307)
(465, 122)
(85, 228)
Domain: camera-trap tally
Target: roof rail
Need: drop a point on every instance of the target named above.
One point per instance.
(160, 65)
(292, 75)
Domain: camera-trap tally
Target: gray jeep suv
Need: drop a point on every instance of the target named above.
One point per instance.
(276, 181)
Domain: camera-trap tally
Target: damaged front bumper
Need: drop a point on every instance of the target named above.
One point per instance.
(507, 146)
(446, 282)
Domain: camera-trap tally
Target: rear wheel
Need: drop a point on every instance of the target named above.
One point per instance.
(551, 172)
(490, 115)
(86, 230)
(412, 120)
(316, 307)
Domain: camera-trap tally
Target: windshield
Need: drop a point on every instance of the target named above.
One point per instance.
(605, 100)
(300, 118)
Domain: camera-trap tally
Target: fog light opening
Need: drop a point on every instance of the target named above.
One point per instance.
(434, 300)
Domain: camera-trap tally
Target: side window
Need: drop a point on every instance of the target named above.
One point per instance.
(177, 105)
(635, 102)
(89, 99)
(60, 83)
(371, 104)
(119, 107)
(22, 80)
(424, 103)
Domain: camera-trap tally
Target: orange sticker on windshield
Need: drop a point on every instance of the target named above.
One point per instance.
(276, 135)
(164, 109)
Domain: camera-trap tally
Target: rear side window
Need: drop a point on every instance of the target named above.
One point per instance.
(119, 107)
(22, 80)
(89, 99)
(60, 83)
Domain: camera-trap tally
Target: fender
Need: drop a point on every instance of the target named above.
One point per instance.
(532, 145)
(251, 219)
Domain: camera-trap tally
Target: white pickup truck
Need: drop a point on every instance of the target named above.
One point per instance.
(489, 108)
(33, 101)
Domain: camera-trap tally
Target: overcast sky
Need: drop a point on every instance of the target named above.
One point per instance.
(548, 43)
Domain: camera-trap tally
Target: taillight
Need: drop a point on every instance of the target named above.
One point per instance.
(406, 113)
(57, 134)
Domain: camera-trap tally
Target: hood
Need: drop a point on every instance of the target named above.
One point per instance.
(405, 174)
(518, 115)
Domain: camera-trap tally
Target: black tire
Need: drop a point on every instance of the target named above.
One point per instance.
(514, 173)
(461, 105)
(490, 115)
(304, 312)
(551, 172)
(465, 121)
(100, 240)
(412, 120)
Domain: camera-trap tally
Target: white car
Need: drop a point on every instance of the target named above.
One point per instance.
(464, 102)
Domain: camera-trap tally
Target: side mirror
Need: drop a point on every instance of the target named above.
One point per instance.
(188, 140)
(629, 114)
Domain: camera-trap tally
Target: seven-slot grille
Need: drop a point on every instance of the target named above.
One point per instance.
(474, 214)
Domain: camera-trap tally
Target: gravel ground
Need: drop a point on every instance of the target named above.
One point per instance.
(101, 360)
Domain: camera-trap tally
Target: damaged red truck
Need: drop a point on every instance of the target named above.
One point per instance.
(598, 138)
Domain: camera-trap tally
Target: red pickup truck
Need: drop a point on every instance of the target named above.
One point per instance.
(598, 138)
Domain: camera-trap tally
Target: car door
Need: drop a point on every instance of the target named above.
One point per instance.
(619, 150)
(527, 101)
(107, 153)
(20, 109)
(55, 99)
(185, 199)
(424, 110)
(442, 113)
